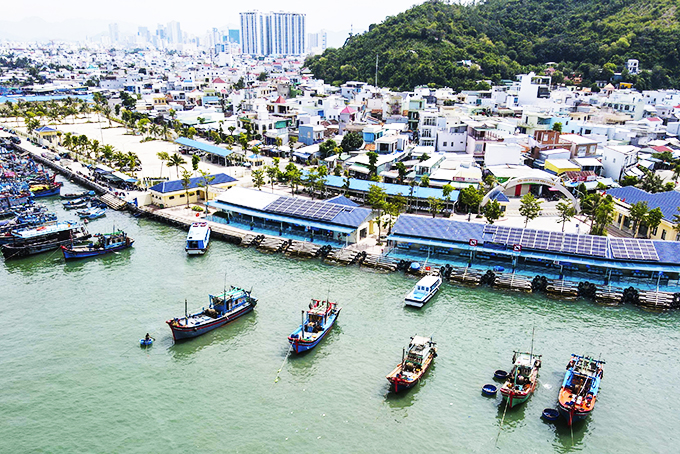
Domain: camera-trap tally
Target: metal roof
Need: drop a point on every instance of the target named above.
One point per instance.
(208, 148)
(419, 192)
(668, 202)
(176, 185)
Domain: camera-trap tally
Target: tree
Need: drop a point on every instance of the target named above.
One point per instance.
(425, 181)
(372, 161)
(175, 161)
(604, 215)
(262, 76)
(423, 157)
(163, 156)
(328, 148)
(566, 211)
(376, 199)
(447, 189)
(310, 181)
(651, 182)
(470, 197)
(186, 182)
(258, 178)
(338, 170)
(492, 211)
(530, 208)
(629, 180)
(294, 176)
(654, 218)
(557, 127)
(401, 169)
(435, 205)
(638, 213)
(272, 173)
(195, 160)
(205, 183)
(351, 141)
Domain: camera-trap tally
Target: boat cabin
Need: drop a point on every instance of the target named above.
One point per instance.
(198, 237)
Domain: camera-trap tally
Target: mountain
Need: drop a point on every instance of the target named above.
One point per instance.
(434, 42)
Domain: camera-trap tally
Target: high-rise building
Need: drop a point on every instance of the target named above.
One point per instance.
(317, 41)
(113, 33)
(235, 36)
(273, 33)
(174, 33)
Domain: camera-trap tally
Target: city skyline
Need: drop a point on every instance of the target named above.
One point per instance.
(353, 15)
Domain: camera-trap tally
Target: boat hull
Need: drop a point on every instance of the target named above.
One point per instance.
(515, 399)
(48, 192)
(196, 251)
(11, 251)
(570, 417)
(420, 303)
(77, 253)
(183, 333)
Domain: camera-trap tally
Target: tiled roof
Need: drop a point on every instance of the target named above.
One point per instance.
(668, 202)
(176, 185)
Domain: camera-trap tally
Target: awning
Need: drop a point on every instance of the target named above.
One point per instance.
(208, 148)
(125, 178)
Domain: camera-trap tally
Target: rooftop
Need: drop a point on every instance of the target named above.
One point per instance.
(176, 185)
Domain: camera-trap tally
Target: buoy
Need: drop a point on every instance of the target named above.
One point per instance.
(500, 375)
(550, 414)
(489, 390)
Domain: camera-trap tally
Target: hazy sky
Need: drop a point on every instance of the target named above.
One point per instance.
(197, 17)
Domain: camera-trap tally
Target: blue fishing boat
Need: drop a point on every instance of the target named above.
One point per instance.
(198, 238)
(104, 243)
(75, 203)
(77, 195)
(580, 388)
(46, 190)
(223, 309)
(316, 323)
(92, 213)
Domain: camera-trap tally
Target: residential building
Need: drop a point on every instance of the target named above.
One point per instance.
(616, 159)
(667, 202)
(172, 193)
(275, 33)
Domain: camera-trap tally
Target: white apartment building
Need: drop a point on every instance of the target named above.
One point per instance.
(273, 33)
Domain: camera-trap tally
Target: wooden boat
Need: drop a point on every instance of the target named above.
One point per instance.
(424, 290)
(46, 190)
(42, 239)
(77, 195)
(198, 238)
(522, 379)
(580, 388)
(316, 323)
(92, 213)
(224, 308)
(75, 203)
(415, 361)
(105, 243)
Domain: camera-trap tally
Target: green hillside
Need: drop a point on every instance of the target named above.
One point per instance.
(592, 39)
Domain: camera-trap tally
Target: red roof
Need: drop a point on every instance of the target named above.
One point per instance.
(661, 149)
(654, 119)
(280, 100)
(217, 80)
(348, 110)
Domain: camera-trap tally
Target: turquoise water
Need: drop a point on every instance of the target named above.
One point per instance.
(74, 378)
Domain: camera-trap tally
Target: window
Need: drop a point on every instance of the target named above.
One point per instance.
(620, 217)
(181, 196)
(654, 230)
(444, 144)
(171, 197)
(663, 234)
(190, 194)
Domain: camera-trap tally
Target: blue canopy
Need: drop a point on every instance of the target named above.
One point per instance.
(208, 148)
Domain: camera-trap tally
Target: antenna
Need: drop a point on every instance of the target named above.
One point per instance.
(376, 70)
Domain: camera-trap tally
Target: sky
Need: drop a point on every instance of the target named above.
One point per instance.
(196, 18)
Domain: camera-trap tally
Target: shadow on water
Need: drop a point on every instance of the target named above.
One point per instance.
(513, 416)
(227, 334)
(113, 259)
(563, 435)
(39, 263)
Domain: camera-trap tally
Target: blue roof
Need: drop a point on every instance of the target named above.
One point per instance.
(500, 197)
(668, 202)
(176, 185)
(391, 189)
(209, 148)
(210, 99)
(44, 129)
(437, 228)
(342, 200)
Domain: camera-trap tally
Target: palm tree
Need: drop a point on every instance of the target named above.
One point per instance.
(106, 110)
(94, 146)
(175, 161)
(108, 152)
(120, 158)
(186, 182)
(163, 156)
(207, 179)
(133, 161)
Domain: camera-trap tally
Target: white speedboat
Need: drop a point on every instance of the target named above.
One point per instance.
(424, 290)
(198, 238)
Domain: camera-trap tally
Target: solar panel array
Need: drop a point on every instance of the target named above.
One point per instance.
(632, 249)
(306, 208)
(549, 241)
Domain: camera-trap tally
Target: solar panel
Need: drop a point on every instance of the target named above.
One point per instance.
(310, 209)
(633, 249)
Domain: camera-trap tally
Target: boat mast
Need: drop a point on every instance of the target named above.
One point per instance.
(302, 326)
(531, 354)
(186, 313)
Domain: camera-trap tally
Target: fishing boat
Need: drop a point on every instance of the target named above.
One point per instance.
(45, 238)
(104, 243)
(580, 388)
(224, 308)
(424, 290)
(316, 323)
(77, 195)
(75, 203)
(415, 361)
(92, 213)
(46, 190)
(198, 238)
(522, 379)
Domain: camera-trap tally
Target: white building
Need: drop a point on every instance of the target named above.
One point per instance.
(616, 159)
(273, 33)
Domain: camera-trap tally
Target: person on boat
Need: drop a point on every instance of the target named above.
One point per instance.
(147, 338)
